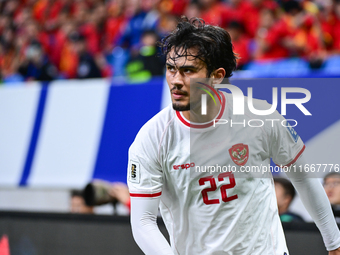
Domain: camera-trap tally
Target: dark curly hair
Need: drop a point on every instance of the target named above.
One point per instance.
(213, 43)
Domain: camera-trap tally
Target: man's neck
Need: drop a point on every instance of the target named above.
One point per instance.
(195, 114)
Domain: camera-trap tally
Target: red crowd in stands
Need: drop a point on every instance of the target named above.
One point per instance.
(53, 39)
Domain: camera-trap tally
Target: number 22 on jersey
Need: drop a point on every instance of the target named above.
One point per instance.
(221, 177)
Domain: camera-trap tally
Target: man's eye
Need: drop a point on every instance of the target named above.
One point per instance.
(171, 68)
(187, 70)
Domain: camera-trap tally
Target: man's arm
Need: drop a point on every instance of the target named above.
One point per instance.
(315, 200)
(144, 226)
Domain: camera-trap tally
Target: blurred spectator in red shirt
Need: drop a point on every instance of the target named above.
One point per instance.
(86, 65)
(336, 27)
(60, 40)
(214, 12)
(327, 21)
(252, 10)
(94, 28)
(33, 33)
(240, 43)
(9, 53)
(270, 38)
(177, 7)
(302, 26)
(47, 12)
(115, 24)
(63, 55)
(237, 11)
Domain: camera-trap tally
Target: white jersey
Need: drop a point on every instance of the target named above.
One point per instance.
(209, 202)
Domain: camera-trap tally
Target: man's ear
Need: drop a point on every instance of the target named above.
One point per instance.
(218, 75)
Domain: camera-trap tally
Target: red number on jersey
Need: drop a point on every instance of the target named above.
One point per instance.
(206, 190)
(223, 188)
(213, 187)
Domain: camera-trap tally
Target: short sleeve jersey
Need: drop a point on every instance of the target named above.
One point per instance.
(216, 190)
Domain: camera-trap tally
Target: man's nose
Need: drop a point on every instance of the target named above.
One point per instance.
(177, 79)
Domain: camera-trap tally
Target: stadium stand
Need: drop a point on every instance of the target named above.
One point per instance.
(266, 31)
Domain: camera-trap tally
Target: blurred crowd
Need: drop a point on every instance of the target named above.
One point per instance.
(65, 39)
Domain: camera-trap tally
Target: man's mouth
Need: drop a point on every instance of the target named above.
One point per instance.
(177, 94)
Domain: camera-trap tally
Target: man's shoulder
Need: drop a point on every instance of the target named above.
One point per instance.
(156, 126)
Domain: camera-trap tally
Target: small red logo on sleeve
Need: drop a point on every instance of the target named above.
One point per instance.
(239, 153)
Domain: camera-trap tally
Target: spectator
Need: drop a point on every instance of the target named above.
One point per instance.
(285, 193)
(147, 63)
(9, 54)
(139, 22)
(237, 11)
(178, 6)
(114, 25)
(86, 65)
(33, 33)
(192, 11)
(36, 65)
(64, 53)
(129, 43)
(240, 43)
(214, 12)
(78, 203)
(270, 37)
(93, 29)
(327, 20)
(331, 184)
(253, 9)
(336, 27)
(113, 29)
(61, 55)
(81, 13)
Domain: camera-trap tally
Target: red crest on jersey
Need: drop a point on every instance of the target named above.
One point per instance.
(239, 153)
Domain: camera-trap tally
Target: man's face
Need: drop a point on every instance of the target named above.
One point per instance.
(332, 188)
(283, 200)
(78, 205)
(179, 71)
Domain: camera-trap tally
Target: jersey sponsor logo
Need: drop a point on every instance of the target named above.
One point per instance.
(134, 172)
(292, 133)
(239, 153)
(184, 166)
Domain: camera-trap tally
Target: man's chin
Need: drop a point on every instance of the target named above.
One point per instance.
(180, 107)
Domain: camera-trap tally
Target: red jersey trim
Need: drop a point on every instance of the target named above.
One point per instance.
(185, 122)
(145, 195)
(295, 159)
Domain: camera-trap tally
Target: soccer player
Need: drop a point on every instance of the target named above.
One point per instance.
(206, 211)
